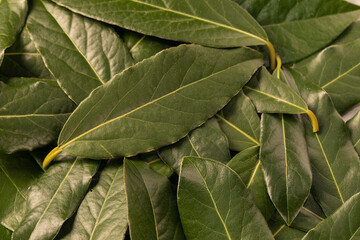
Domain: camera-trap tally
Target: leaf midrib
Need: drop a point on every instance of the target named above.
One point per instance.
(12, 182)
(34, 115)
(286, 167)
(340, 76)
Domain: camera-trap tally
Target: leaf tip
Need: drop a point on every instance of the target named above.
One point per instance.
(51, 155)
(314, 120)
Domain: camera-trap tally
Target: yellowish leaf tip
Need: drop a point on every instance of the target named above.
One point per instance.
(51, 155)
(314, 120)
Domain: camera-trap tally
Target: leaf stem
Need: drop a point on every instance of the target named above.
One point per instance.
(51, 155)
(272, 55)
(314, 120)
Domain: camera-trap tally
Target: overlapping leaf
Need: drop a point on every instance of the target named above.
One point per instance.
(354, 127)
(81, 53)
(157, 102)
(201, 21)
(151, 204)
(32, 112)
(211, 190)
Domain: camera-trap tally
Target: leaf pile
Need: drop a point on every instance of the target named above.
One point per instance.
(198, 119)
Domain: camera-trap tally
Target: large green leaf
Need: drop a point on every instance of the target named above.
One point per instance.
(240, 122)
(286, 233)
(354, 127)
(247, 164)
(285, 162)
(334, 162)
(200, 21)
(344, 224)
(81, 53)
(32, 112)
(336, 69)
(5, 234)
(103, 212)
(157, 102)
(207, 141)
(151, 202)
(55, 197)
(214, 203)
(13, 14)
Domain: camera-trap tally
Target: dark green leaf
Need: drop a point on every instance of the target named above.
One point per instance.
(81, 53)
(344, 224)
(103, 212)
(354, 127)
(215, 204)
(287, 233)
(161, 167)
(207, 141)
(157, 102)
(32, 112)
(55, 197)
(285, 163)
(151, 204)
(13, 14)
(240, 122)
(200, 21)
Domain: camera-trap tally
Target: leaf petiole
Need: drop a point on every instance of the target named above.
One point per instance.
(51, 155)
(314, 120)
(272, 55)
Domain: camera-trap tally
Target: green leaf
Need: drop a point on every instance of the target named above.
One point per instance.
(334, 162)
(13, 14)
(240, 122)
(103, 206)
(151, 204)
(55, 197)
(285, 163)
(5, 234)
(142, 46)
(161, 167)
(81, 53)
(285, 233)
(336, 69)
(354, 127)
(201, 21)
(207, 141)
(157, 102)
(247, 165)
(32, 112)
(224, 208)
(344, 224)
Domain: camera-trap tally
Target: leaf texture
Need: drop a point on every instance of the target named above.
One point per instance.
(32, 112)
(81, 53)
(211, 190)
(151, 204)
(202, 21)
(157, 102)
(354, 127)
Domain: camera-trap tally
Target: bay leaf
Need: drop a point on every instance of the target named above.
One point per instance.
(220, 195)
(32, 113)
(285, 233)
(354, 128)
(13, 14)
(5, 233)
(81, 53)
(157, 217)
(156, 102)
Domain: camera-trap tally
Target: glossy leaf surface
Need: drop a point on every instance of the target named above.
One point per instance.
(201, 21)
(103, 212)
(207, 141)
(55, 197)
(157, 102)
(285, 163)
(32, 112)
(354, 128)
(344, 224)
(211, 190)
(240, 122)
(13, 14)
(81, 53)
(151, 202)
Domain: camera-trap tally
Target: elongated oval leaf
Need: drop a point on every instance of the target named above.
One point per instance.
(344, 224)
(214, 203)
(200, 21)
(32, 112)
(103, 212)
(334, 162)
(157, 102)
(54, 198)
(240, 122)
(285, 163)
(81, 53)
(13, 14)
(354, 127)
(151, 204)
(207, 141)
